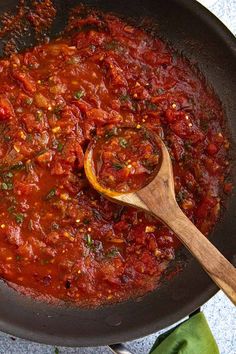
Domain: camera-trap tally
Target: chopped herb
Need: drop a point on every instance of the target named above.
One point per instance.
(148, 164)
(54, 226)
(57, 111)
(124, 98)
(181, 196)
(86, 221)
(123, 142)
(29, 137)
(57, 145)
(111, 133)
(19, 218)
(92, 47)
(8, 175)
(11, 209)
(51, 194)
(31, 225)
(79, 94)
(89, 240)
(135, 106)
(117, 166)
(29, 100)
(60, 147)
(187, 144)
(7, 138)
(39, 115)
(160, 91)
(18, 257)
(18, 166)
(151, 106)
(112, 253)
(56, 350)
(41, 152)
(6, 186)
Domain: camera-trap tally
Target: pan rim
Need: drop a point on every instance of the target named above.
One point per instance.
(42, 337)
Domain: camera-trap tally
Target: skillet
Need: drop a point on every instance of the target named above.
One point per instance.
(197, 34)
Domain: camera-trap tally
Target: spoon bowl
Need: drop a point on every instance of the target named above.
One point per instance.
(158, 198)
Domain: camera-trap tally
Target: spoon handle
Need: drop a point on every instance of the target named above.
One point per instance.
(222, 272)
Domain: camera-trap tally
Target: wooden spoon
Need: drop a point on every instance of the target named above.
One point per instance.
(158, 198)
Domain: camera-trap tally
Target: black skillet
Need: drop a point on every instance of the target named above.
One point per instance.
(196, 33)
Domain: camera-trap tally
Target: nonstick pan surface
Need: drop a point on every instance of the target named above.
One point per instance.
(197, 34)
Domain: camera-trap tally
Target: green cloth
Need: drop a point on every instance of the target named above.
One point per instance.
(190, 337)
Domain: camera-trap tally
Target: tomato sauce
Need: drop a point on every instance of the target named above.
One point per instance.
(59, 237)
(125, 159)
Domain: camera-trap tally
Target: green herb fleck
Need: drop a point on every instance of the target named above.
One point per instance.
(6, 186)
(29, 100)
(89, 240)
(135, 106)
(19, 218)
(56, 350)
(11, 209)
(29, 137)
(112, 253)
(41, 152)
(92, 47)
(18, 257)
(39, 115)
(57, 145)
(54, 226)
(60, 147)
(187, 144)
(8, 175)
(110, 133)
(18, 166)
(51, 194)
(79, 94)
(124, 98)
(151, 106)
(57, 111)
(86, 221)
(117, 166)
(160, 91)
(31, 225)
(7, 138)
(123, 143)
(181, 196)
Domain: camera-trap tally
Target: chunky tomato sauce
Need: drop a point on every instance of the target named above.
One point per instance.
(60, 238)
(125, 159)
